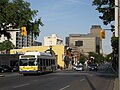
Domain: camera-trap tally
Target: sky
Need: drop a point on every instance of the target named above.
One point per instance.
(64, 17)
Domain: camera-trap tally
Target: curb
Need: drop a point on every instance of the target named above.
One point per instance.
(2, 75)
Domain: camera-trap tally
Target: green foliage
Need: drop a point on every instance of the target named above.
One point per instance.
(108, 58)
(106, 7)
(97, 57)
(1, 48)
(6, 45)
(114, 42)
(17, 13)
(82, 59)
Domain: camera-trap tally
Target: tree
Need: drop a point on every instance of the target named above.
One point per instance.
(109, 57)
(6, 45)
(17, 13)
(97, 57)
(114, 43)
(106, 7)
(82, 59)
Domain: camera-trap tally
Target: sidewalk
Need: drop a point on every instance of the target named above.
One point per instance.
(116, 84)
(116, 81)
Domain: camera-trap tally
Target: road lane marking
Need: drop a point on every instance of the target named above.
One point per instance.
(21, 85)
(52, 78)
(65, 87)
(82, 79)
(35, 80)
(91, 75)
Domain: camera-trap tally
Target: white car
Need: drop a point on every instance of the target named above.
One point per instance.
(79, 68)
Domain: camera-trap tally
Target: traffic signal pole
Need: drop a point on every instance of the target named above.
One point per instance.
(117, 34)
(119, 43)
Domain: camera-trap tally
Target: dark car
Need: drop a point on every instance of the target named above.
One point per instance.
(15, 68)
(7, 68)
(92, 67)
(2, 69)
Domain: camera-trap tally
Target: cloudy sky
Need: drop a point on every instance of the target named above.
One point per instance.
(64, 17)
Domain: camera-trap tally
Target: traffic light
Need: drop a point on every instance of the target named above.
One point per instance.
(102, 34)
(23, 31)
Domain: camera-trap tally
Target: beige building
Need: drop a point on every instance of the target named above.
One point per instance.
(95, 31)
(52, 40)
(84, 43)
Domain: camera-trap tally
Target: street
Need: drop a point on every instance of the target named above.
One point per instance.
(60, 80)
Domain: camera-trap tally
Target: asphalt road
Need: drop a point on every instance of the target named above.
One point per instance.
(60, 80)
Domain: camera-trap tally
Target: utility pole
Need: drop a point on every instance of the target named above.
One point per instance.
(119, 41)
(116, 18)
(117, 33)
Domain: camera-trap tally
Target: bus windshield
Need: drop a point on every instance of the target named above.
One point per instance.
(28, 62)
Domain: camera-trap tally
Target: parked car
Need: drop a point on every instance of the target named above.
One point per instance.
(2, 69)
(93, 67)
(79, 68)
(7, 68)
(15, 68)
(73, 66)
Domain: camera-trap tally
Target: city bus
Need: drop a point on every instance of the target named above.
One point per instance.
(36, 62)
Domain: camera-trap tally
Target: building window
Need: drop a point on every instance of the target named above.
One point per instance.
(78, 43)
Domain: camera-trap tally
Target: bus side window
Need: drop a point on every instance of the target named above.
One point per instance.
(41, 61)
(44, 61)
(47, 62)
(50, 61)
(53, 61)
(38, 61)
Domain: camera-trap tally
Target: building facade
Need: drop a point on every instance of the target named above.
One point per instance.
(18, 40)
(13, 37)
(36, 43)
(52, 40)
(25, 41)
(95, 31)
(84, 43)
